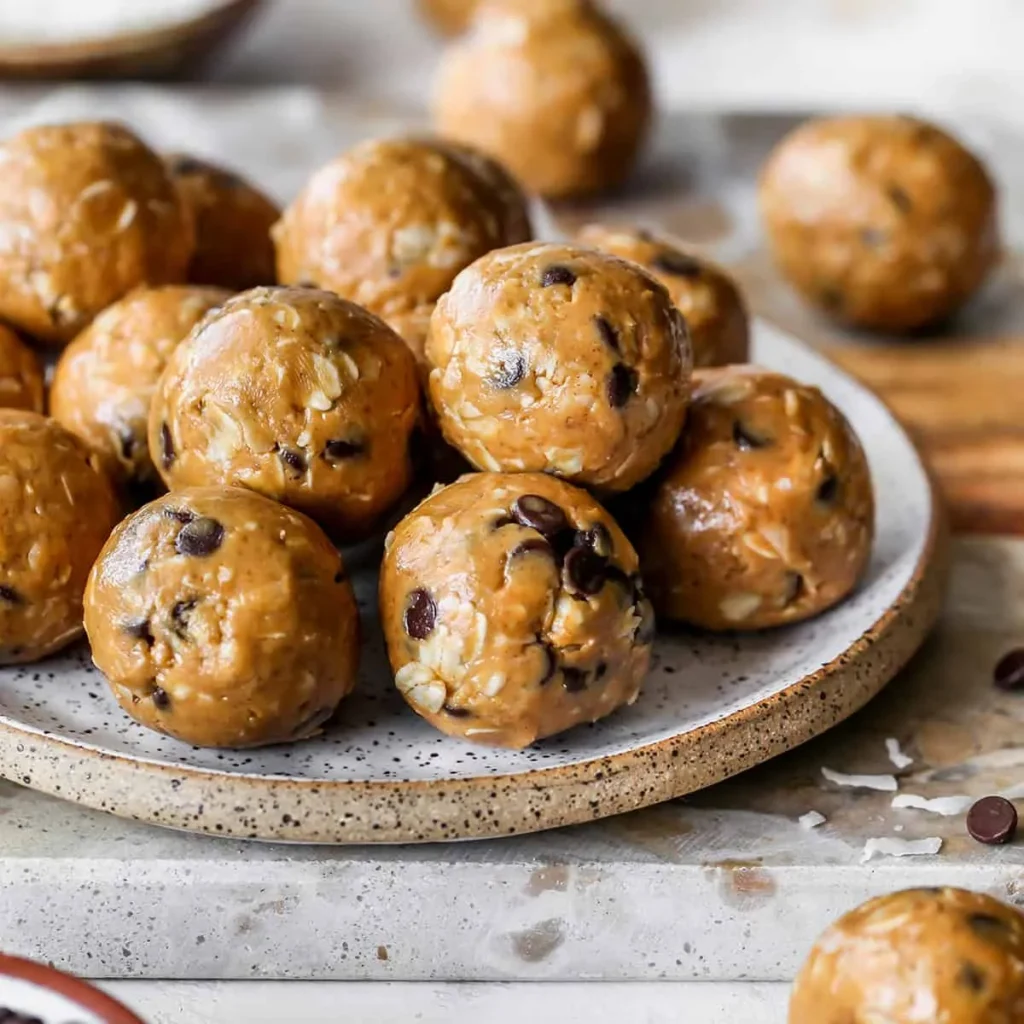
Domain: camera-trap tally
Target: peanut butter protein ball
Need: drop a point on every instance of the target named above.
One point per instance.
(916, 957)
(553, 358)
(294, 393)
(764, 513)
(554, 89)
(88, 212)
(56, 510)
(886, 223)
(513, 610)
(21, 374)
(224, 619)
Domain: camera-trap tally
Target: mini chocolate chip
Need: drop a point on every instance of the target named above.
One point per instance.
(745, 438)
(126, 436)
(550, 663)
(139, 630)
(199, 538)
(597, 538)
(607, 331)
(622, 383)
(9, 594)
(531, 544)
(873, 237)
(795, 587)
(899, 198)
(1009, 670)
(339, 576)
(338, 451)
(293, 460)
(971, 976)
(586, 570)
(537, 513)
(456, 712)
(574, 680)
(509, 368)
(557, 274)
(988, 927)
(180, 613)
(166, 446)
(185, 164)
(420, 614)
(992, 820)
(181, 515)
(161, 699)
(599, 672)
(669, 261)
(828, 489)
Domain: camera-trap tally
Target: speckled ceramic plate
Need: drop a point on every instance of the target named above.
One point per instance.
(711, 707)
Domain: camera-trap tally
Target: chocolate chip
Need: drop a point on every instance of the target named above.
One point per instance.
(745, 438)
(126, 437)
(185, 164)
(557, 274)
(873, 237)
(180, 614)
(585, 570)
(339, 576)
(456, 712)
(647, 627)
(607, 331)
(200, 537)
(795, 587)
(992, 820)
(574, 680)
(161, 699)
(622, 382)
(1009, 671)
(139, 630)
(597, 538)
(988, 927)
(971, 977)
(509, 368)
(537, 513)
(831, 297)
(166, 446)
(899, 198)
(828, 489)
(550, 664)
(9, 594)
(293, 460)
(599, 672)
(530, 545)
(420, 615)
(338, 451)
(668, 261)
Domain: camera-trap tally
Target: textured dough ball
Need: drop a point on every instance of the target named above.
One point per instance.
(88, 213)
(233, 219)
(513, 610)
(388, 225)
(886, 223)
(105, 379)
(449, 16)
(554, 89)
(294, 393)
(916, 957)
(561, 359)
(708, 298)
(56, 510)
(224, 619)
(764, 513)
(21, 375)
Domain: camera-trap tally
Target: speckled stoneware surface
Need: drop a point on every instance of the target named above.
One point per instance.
(712, 706)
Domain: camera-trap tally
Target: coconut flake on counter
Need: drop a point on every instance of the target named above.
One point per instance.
(812, 819)
(886, 847)
(947, 806)
(896, 755)
(882, 783)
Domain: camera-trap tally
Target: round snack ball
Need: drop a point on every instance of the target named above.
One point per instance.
(294, 393)
(21, 375)
(223, 619)
(921, 955)
(89, 212)
(56, 510)
(388, 225)
(764, 513)
(555, 358)
(513, 610)
(554, 89)
(104, 380)
(452, 17)
(233, 219)
(708, 298)
(885, 223)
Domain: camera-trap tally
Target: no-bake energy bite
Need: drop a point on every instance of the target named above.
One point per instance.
(233, 219)
(559, 359)
(886, 223)
(708, 298)
(21, 374)
(554, 89)
(224, 619)
(88, 213)
(764, 513)
(295, 393)
(513, 609)
(104, 380)
(56, 510)
(916, 957)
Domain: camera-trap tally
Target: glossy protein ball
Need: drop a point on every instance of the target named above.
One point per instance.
(513, 610)
(233, 219)
(764, 513)
(708, 298)
(295, 393)
(21, 374)
(388, 225)
(885, 223)
(452, 17)
(105, 379)
(56, 510)
(559, 359)
(554, 89)
(223, 619)
(916, 957)
(88, 212)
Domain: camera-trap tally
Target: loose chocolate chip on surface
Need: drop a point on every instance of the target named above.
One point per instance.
(161, 699)
(200, 537)
(746, 439)
(180, 614)
(622, 383)
(455, 712)
(139, 629)
(537, 513)
(9, 594)
(992, 820)
(971, 977)
(557, 274)
(676, 263)
(586, 570)
(292, 460)
(574, 680)
(420, 614)
(1009, 670)
(166, 446)
(607, 331)
(338, 451)
(509, 368)
(899, 198)
(828, 489)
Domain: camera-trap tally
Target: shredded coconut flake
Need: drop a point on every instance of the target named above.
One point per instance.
(896, 755)
(883, 783)
(947, 806)
(812, 819)
(900, 848)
